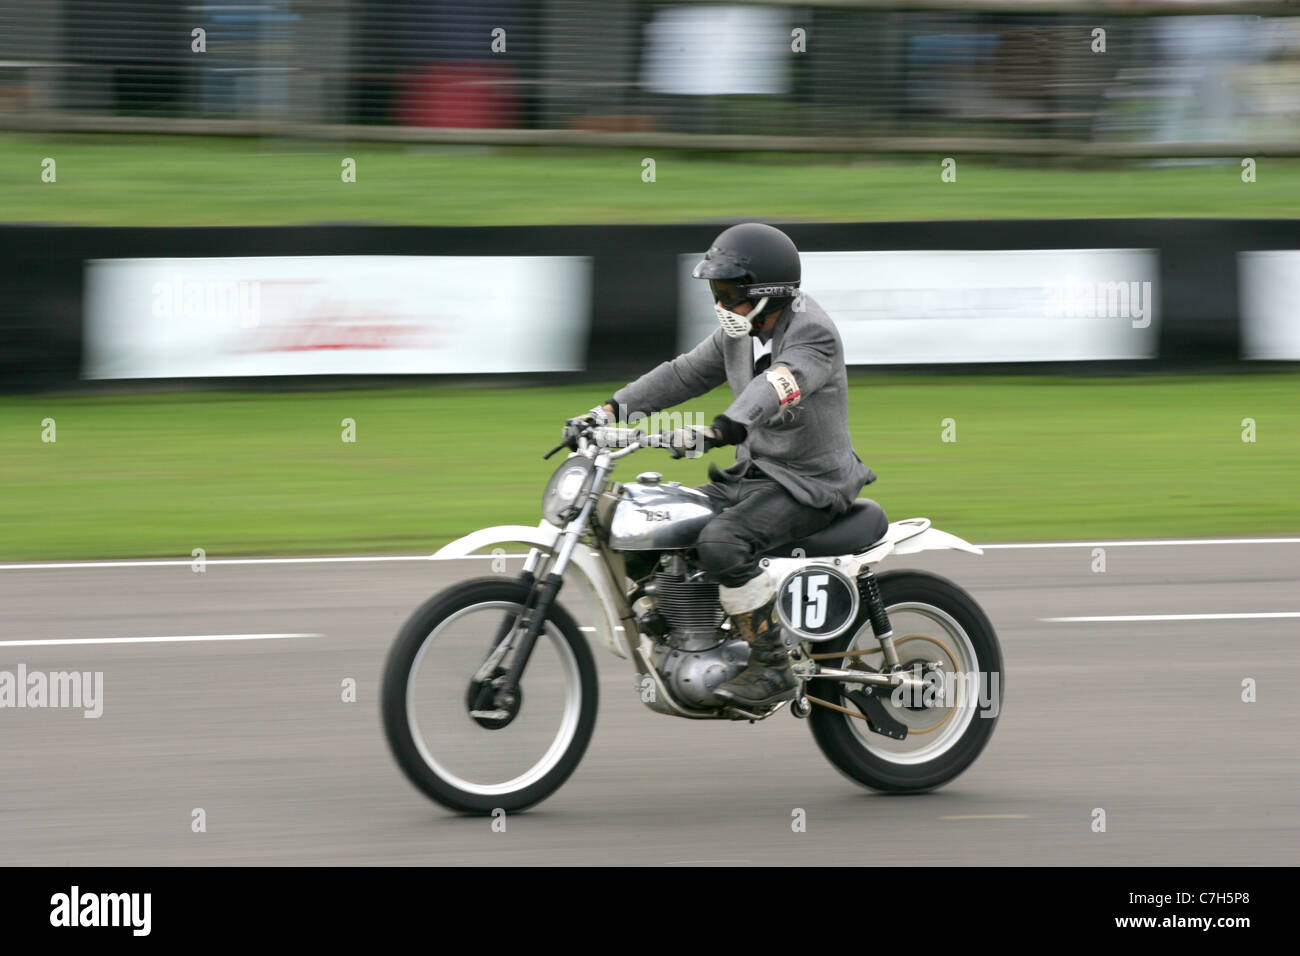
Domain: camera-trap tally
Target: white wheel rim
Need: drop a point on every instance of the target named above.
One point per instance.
(568, 721)
(965, 705)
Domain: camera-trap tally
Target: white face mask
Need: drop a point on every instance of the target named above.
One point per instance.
(736, 325)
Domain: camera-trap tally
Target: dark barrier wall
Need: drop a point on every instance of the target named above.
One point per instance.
(635, 277)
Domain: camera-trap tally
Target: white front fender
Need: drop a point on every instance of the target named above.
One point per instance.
(593, 578)
(543, 536)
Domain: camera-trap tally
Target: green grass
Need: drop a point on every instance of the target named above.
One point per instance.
(1036, 458)
(122, 180)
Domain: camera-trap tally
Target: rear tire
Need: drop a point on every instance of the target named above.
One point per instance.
(398, 672)
(834, 731)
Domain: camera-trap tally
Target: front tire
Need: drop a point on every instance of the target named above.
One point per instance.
(401, 725)
(866, 757)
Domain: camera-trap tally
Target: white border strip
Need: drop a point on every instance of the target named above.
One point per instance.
(173, 639)
(373, 559)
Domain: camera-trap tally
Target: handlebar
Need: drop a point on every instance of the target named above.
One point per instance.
(627, 440)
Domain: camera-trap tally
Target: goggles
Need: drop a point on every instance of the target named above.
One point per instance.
(727, 293)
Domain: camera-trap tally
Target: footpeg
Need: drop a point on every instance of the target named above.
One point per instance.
(741, 713)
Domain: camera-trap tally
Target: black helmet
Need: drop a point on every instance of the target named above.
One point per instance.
(759, 259)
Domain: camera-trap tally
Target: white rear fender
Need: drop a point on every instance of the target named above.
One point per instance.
(909, 536)
(930, 539)
(592, 577)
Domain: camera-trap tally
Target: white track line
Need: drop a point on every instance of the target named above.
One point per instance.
(1170, 617)
(173, 639)
(364, 559)
(1158, 542)
(183, 562)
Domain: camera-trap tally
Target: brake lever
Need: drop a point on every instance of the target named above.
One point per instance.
(572, 441)
(657, 441)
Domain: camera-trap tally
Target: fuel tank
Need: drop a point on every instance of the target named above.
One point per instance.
(654, 515)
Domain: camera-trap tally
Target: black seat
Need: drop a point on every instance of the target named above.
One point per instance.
(856, 530)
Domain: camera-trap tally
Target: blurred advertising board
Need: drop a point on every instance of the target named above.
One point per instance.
(1269, 290)
(335, 315)
(717, 49)
(940, 307)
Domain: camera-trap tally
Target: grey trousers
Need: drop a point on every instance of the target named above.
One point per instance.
(754, 516)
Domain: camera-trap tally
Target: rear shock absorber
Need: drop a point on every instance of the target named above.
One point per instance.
(869, 589)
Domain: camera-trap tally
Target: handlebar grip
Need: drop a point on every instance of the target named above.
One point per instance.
(612, 436)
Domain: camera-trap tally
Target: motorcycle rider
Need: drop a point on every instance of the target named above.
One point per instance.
(795, 469)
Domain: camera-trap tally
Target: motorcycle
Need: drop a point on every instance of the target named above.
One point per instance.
(899, 674)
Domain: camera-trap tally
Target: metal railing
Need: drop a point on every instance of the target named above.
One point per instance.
(999, 76)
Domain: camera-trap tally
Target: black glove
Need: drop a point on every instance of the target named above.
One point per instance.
(729, 432)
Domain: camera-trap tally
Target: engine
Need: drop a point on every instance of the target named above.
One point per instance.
(696, 651)
(688, 603)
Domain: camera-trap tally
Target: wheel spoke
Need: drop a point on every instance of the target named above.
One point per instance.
(463, 730)
(927, 738)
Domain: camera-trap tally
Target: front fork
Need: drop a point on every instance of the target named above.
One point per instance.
(500, 646)
(505, 688)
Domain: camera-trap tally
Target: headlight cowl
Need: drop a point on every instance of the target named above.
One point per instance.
(567, 489)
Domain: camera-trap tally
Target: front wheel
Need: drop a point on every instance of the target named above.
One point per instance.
(945, 726)
(458, 745)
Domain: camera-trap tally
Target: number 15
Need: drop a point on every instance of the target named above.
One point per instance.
(816, 608)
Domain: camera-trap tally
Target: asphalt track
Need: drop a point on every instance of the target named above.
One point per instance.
(1143, 719)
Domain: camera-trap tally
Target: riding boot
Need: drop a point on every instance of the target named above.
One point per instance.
(768, 677)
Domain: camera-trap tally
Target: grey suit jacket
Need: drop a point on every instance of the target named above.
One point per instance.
(802, 442)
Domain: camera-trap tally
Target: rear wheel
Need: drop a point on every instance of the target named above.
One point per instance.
(947, 726)
(452, 740)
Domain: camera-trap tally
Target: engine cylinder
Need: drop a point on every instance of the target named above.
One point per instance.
(688, 605)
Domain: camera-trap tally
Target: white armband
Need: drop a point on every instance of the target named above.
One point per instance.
(787, 389)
